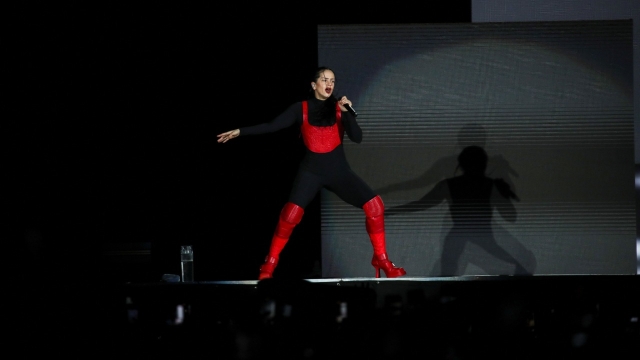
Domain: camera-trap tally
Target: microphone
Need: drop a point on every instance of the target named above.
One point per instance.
(349, 109)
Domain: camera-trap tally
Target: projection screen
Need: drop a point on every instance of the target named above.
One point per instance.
(551, 105)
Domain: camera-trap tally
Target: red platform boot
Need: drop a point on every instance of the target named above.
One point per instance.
(290, 216)
(374, 212)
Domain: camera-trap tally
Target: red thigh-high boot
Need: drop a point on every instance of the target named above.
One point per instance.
(290, 216)
(374, 212)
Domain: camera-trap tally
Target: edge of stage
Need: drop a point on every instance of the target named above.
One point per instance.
(536, 316)
(462, 317)
(535, 293)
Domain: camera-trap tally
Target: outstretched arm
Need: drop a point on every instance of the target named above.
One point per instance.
(285, 119)
(226, 136)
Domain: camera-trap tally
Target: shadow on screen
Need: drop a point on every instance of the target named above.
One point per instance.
(472, 198)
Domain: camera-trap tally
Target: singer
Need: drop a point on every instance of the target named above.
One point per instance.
(323, 120)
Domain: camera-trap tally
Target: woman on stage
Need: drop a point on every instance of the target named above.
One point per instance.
(323, 119)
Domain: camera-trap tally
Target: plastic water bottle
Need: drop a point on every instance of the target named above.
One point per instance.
(186, 263)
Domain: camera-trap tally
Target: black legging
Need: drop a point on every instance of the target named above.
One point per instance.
(332, 172)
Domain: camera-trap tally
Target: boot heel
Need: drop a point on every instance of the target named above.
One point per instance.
(377, 271)
(389, 268)
(266, 269)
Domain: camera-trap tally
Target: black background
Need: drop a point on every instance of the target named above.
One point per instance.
(114, 111)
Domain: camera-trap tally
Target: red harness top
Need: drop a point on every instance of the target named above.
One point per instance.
(321, 139)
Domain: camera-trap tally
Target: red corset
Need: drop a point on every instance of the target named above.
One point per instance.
(321, 139)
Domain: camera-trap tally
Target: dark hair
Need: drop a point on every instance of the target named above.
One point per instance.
(319, 71)
(473, 159)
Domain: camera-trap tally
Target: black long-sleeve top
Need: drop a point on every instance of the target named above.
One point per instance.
(317, 117)
(321, 113)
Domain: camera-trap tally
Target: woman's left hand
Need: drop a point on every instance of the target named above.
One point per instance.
(343, 100)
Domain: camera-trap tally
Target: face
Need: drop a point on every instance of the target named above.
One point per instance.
(324, 85)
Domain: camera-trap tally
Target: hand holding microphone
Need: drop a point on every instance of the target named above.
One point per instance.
(347, 105)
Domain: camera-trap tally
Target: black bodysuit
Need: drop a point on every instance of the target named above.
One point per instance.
(329, 170)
